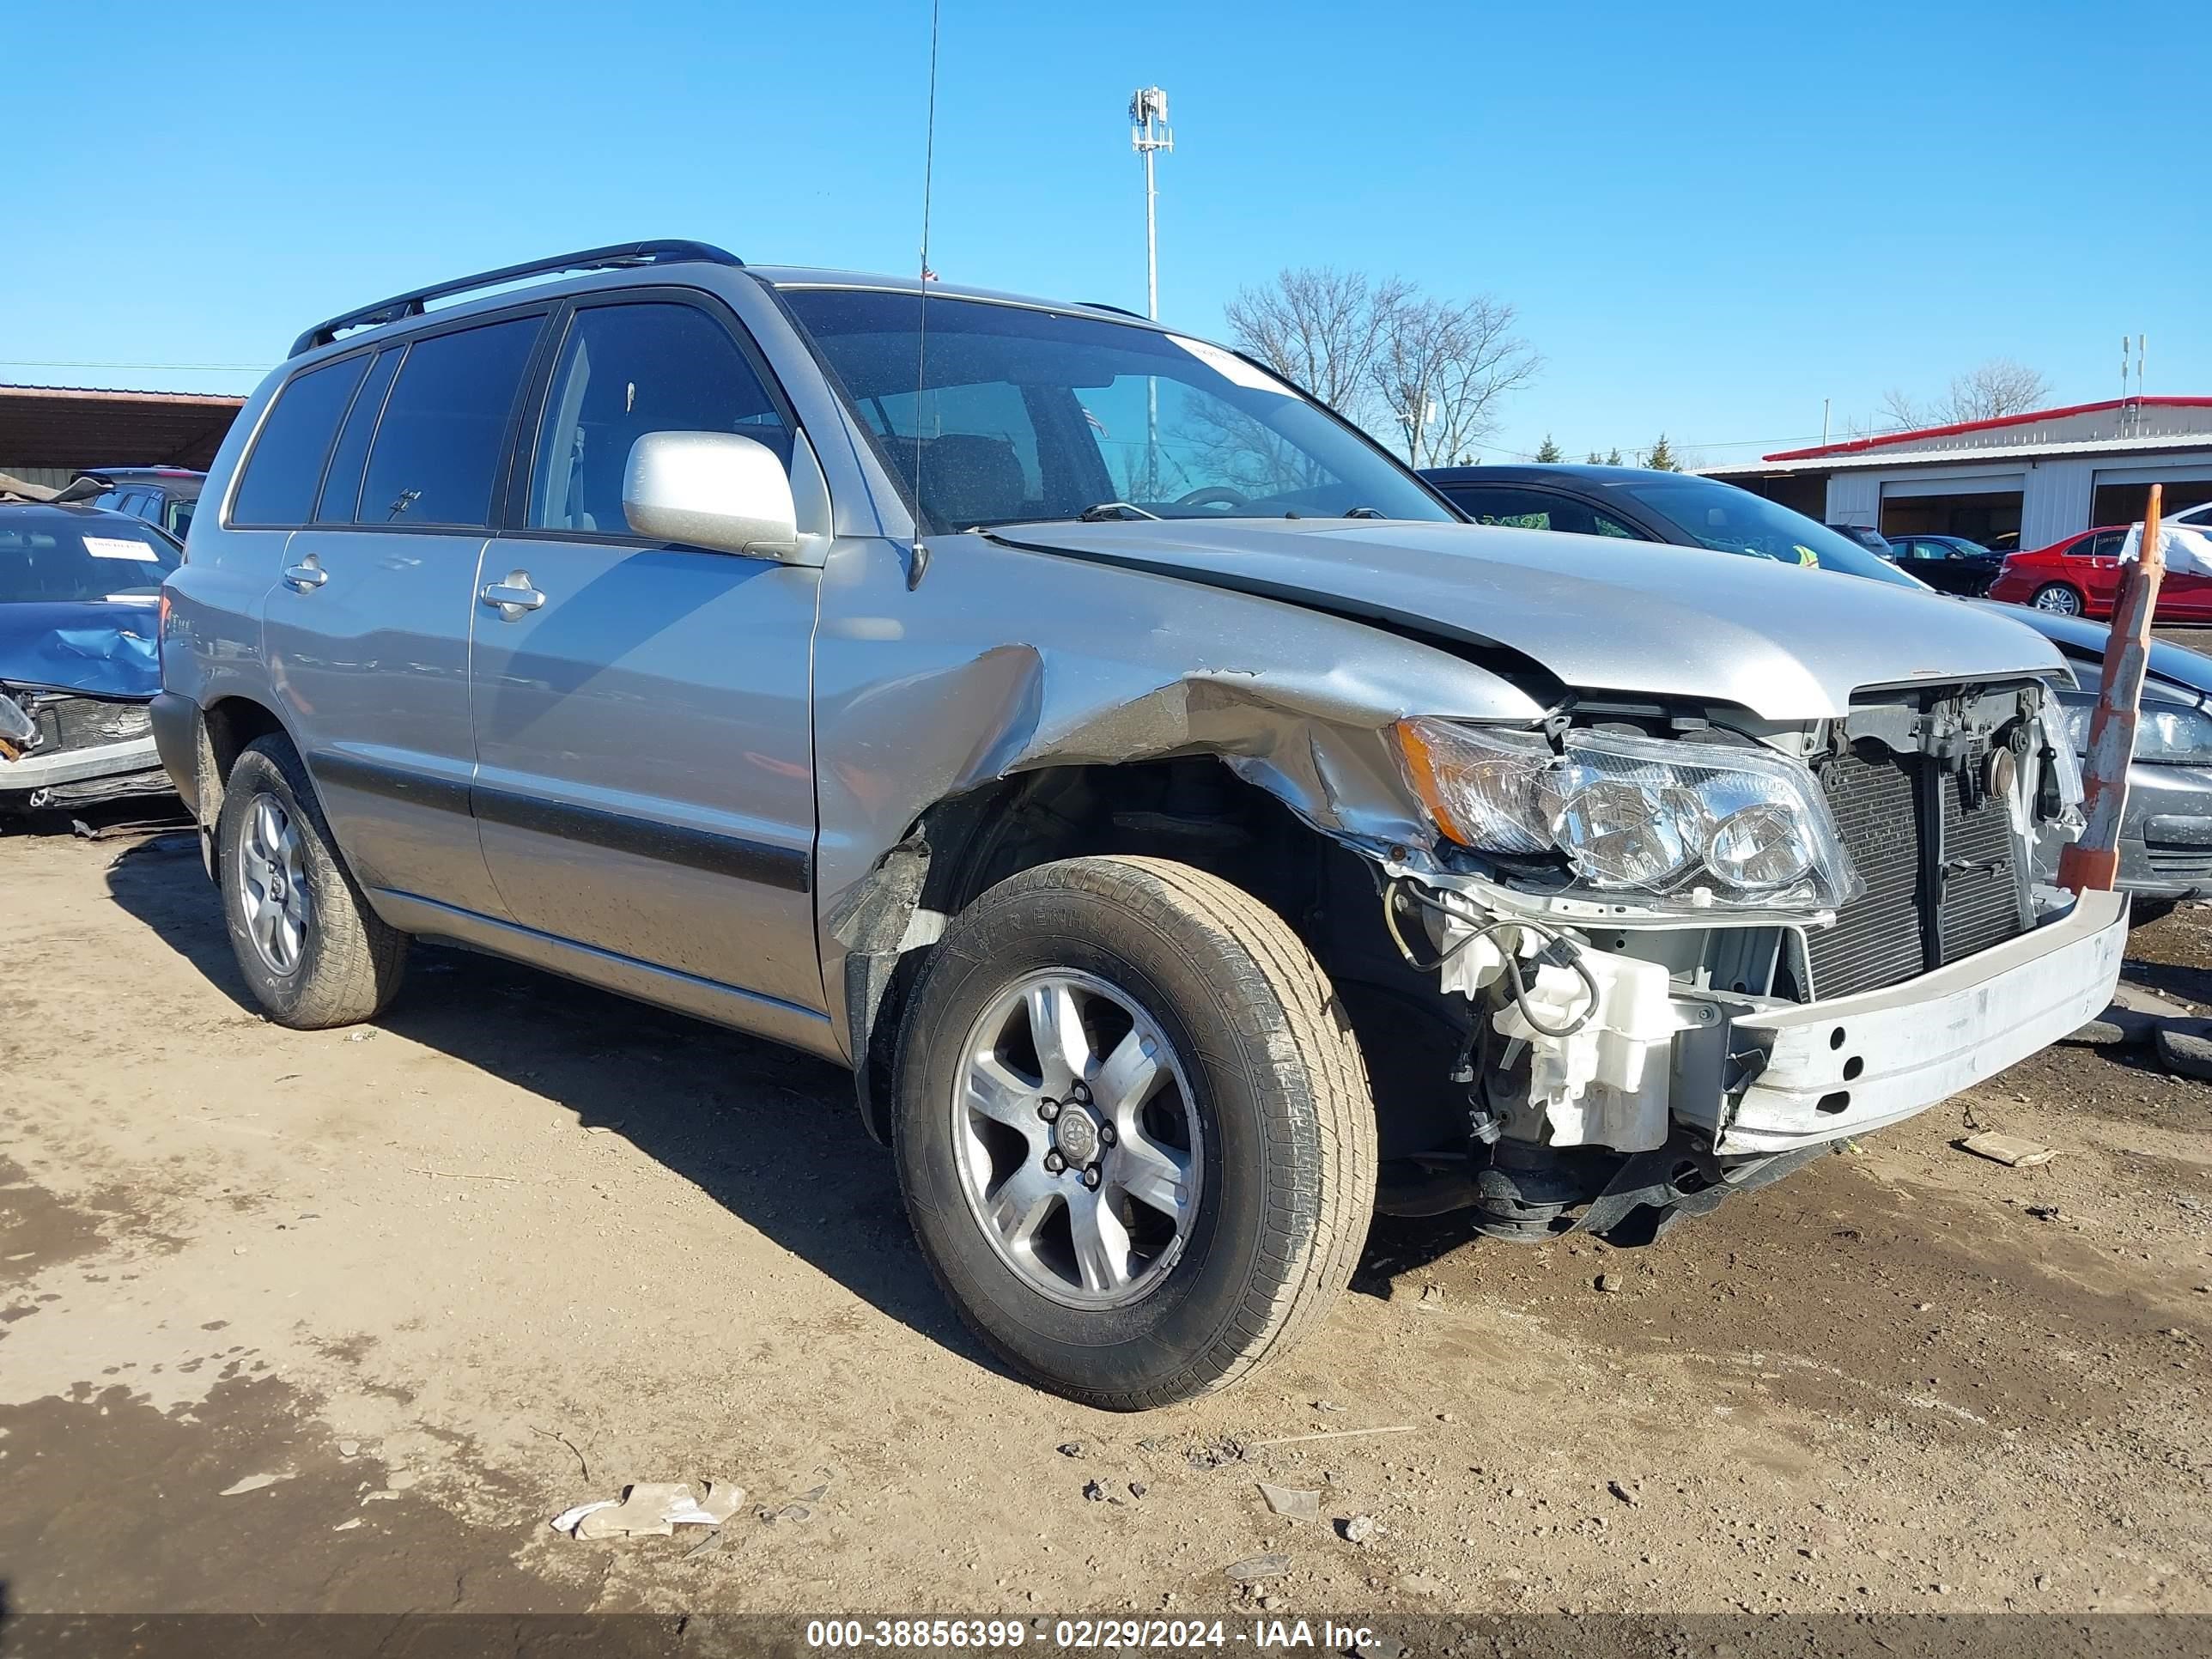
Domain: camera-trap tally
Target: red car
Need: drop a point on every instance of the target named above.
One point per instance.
(2080, 577)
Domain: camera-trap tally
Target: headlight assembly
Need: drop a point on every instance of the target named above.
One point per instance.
(1680, 825)
(2166, 734)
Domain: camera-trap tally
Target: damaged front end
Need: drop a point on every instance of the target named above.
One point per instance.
(63, 748)
(1694, 952)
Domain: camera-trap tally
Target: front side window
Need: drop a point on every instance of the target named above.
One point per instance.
(56, 558)
(1001, 414)
(278, 486)
(435, 459)
(626, 370)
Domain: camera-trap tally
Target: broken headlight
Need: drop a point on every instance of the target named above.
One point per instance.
(1680, 825)
(19, 734)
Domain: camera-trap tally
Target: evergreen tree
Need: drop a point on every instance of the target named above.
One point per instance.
(1661, 459)
(1596, 460)
(1612, 459)
(1548, 451)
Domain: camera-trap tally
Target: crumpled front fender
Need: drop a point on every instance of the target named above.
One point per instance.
(1001, 660)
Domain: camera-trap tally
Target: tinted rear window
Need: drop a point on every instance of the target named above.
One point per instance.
(286, 467)
(342, 488)
(437, 451)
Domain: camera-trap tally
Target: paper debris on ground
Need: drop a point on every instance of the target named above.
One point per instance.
(1258, 1567)
(1291, 1502)
(651, 1508)
(2009, 1149)
(252, 1482)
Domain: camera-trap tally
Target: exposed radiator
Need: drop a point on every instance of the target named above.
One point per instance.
(1914, 914)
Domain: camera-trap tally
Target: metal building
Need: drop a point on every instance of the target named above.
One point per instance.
(2043, 475)
(50, 433)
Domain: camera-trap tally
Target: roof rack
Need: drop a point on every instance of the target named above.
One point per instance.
(414, 302)
(1121, 311)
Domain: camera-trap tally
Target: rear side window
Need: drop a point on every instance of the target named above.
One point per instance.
(437, 450)
(342, 488)
(282, 475)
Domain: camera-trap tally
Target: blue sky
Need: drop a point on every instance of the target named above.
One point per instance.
(1710, 217)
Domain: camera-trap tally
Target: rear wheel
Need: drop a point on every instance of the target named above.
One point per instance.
(1133, 1131)
(313, 952)
(2058, 599)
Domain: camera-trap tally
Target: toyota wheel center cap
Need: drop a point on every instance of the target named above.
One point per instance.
(1075, 1134)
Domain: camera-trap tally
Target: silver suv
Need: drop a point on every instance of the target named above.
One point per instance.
(1189, 830)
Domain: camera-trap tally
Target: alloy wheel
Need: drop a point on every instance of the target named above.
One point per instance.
(272, 881)
(1078, 1148)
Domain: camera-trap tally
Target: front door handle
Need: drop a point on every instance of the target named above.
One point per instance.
(514, 596)
(307, 576)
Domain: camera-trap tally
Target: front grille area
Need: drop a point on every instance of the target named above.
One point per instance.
(2179, 860)
(66, 722)
(1913, 917)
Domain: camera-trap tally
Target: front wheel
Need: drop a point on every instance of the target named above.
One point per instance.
(2059, 600)
(1133, 1131)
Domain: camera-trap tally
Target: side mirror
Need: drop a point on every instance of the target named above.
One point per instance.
(716, 489)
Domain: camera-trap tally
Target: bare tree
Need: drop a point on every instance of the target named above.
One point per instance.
(1997, 387)
(1442, 366)
(1321, 329)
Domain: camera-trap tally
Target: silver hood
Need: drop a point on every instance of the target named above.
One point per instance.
(1600, 613)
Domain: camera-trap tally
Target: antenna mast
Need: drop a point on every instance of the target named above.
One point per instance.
(1148, 136)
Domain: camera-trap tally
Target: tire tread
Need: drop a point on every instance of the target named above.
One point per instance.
(1316, 1215)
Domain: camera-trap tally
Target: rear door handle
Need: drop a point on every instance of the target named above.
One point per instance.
(306, 577)
(514, 596)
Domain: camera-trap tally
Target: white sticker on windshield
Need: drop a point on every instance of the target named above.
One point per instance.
(1230, 366)
(114, 547)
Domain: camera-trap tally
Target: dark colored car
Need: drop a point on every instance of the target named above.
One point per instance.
(1950, 564)
(2165, 842)
(164, 496)
(1867, 537)
(1641, 505)
(79, 595)
(2166, 839)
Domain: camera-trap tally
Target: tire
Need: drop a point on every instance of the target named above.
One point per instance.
(2058, 599)
(1260, 1096)
(344, 964)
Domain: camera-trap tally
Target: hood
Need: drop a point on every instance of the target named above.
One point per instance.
(102, 648)
(1600, 613)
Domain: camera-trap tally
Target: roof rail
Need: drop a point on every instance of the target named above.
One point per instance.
(1120, 311)
(414, 302)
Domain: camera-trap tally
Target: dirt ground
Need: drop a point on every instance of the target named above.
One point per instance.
(300, 1323)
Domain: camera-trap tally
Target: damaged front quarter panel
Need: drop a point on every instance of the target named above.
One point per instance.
(920, 699)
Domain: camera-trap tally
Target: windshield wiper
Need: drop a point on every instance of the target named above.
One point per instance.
(1362, 513)
(1106, 510)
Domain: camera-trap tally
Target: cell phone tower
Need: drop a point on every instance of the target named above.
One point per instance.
(1148, 136)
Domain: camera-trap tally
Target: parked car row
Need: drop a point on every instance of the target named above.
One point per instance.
(164, 496)
(1189, 830)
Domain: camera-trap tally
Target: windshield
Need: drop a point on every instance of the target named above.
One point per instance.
(1008, 414)
(1712, 514)
(51, 556)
